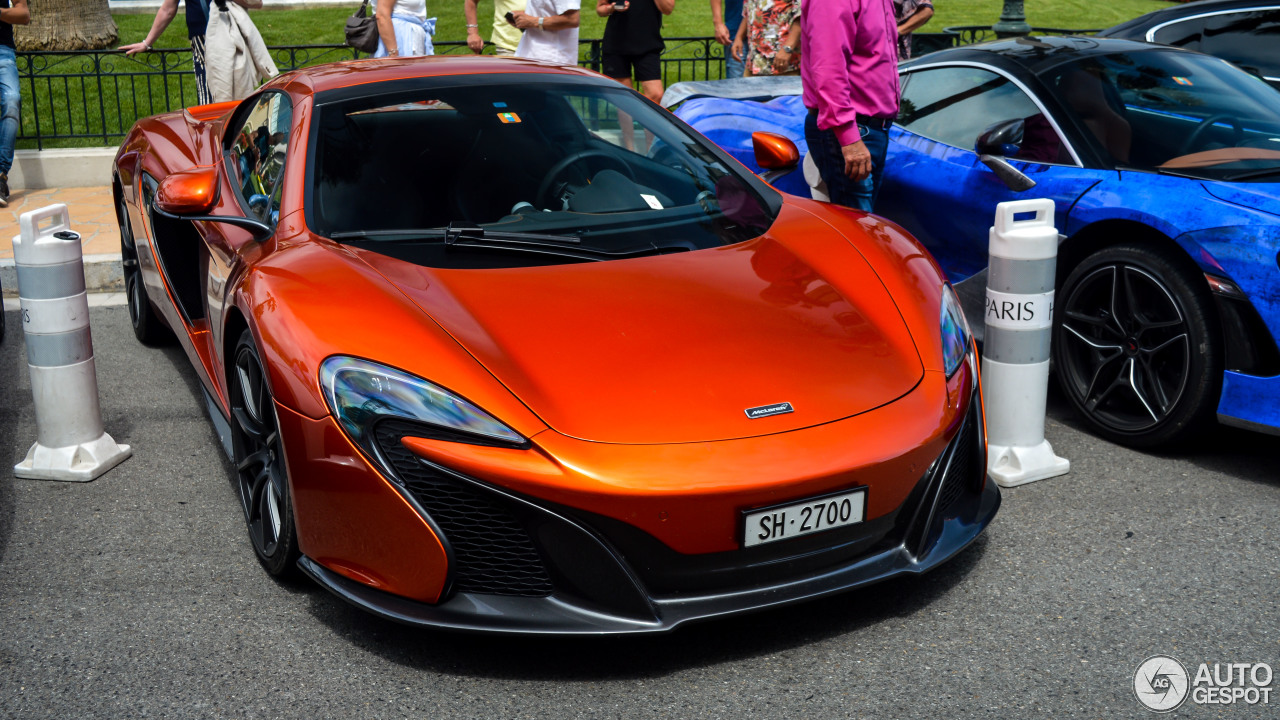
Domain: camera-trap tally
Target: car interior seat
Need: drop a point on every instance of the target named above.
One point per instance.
(1097, 104)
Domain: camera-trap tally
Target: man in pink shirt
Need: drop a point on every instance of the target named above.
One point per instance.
(849, 69)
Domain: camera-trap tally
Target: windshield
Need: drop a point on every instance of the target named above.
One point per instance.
(1174, 111)
(591, 165)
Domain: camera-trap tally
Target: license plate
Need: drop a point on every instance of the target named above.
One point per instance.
(804, 517)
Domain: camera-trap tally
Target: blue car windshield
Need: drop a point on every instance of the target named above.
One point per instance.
(1177, 112)
(593, 165)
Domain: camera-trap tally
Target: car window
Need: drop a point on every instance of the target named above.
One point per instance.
(567, 159)
(954, 105)
(256, 154)
(1183, 34)
(609, 124)
(1172, 110)
(1248, 39)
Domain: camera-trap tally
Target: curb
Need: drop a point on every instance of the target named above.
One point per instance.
(62, 168)
(102, 274)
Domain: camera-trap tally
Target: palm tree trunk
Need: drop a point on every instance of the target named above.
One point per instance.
(67, 25)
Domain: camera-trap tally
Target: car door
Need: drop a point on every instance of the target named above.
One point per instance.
(255, 146)
(935, 185)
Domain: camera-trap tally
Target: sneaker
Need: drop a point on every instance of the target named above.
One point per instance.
(4, 189)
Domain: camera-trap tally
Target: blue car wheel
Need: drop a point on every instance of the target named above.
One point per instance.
(1136, 347)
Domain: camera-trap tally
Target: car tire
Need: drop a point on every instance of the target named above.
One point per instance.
(262, 480)
(1136, 345)
(147, 326)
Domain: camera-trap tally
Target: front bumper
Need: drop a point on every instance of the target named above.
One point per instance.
(591, 575)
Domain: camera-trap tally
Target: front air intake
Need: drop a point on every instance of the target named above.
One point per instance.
(492, 553)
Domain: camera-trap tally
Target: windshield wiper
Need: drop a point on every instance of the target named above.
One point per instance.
(458, 231)
(452, 234)
(1174, 173)
(405, 233)
(1250, 174)
(468, 236)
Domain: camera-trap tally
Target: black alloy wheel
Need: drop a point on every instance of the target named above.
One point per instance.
(146, 325)
(1136, 345)
(261, 478)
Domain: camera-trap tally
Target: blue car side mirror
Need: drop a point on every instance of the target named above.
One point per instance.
(1003, 139)
(999, 141)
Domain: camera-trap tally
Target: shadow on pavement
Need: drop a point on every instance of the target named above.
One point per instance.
(1241, 453)
(732, 639)
(15, 414)
(1244, 454)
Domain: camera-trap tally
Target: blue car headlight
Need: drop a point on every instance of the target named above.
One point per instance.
(360, 393)
(955, 332)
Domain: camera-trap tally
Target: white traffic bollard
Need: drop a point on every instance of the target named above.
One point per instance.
(1015, 348)
(71, 444)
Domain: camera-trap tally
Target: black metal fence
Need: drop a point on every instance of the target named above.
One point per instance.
(92, 97)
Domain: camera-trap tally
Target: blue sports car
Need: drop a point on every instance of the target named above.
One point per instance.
(1165, 168)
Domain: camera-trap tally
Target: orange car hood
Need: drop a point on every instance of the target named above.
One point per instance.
(676, 348)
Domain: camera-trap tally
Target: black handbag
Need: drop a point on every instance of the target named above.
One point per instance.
(362, 30)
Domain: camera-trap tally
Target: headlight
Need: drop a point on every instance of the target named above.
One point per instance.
(955, 332)
(360, 392)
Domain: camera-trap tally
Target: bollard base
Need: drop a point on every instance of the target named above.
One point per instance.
(74, 463)
(1011, 466)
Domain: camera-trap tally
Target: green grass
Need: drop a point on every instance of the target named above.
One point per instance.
(321, 26)
(124, 92)
(1081, 14)
(692, 18)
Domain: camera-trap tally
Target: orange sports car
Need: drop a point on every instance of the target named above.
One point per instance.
(506, 347)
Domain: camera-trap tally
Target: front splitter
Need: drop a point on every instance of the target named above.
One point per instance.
(554, 615)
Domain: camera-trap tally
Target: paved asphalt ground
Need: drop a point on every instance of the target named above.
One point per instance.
(137, 595)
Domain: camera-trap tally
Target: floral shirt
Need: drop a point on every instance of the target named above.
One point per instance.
(903, 9)
(768, 22)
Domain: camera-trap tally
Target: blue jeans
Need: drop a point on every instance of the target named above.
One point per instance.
(733, 68)
(829, 158)
(10, 106)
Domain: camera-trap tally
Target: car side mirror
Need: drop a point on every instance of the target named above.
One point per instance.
(1012, 177)
(776, 154)
(189, 192)
(192, 194)
(1003, 139)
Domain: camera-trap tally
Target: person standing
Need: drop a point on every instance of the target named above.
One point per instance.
(505, 36)
(850, 77)
(726, 29)
(550, 30)
(404, 30)
(197, 15)
(770, 36)
(633, 42)
(911, 16)
(12, 12)
(236, 58)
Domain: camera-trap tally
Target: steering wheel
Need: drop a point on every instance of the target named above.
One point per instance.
(1193, 140)
(543, 198)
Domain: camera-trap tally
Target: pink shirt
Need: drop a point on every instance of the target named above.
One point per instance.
(849, 66)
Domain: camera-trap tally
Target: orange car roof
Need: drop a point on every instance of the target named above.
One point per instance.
(369, 70)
